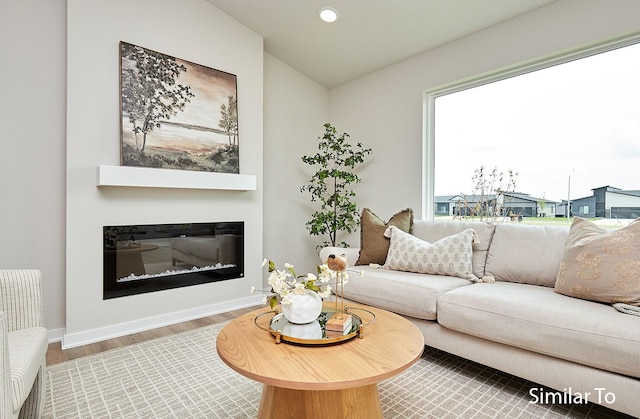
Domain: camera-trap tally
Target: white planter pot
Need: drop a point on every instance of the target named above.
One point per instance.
(303, 308)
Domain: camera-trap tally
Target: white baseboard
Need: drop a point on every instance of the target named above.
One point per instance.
(55, 335)
(73, 340)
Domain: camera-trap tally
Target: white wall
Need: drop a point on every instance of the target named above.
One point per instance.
(32, 144)
(385, 109)
(619, 200)
(295, 110)
(192, 30)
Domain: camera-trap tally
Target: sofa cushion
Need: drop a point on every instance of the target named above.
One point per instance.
(529, 254)
(373, 244)
(405, 293)
(451, 255)
(536, 318)
(601, 265)
(432, 231)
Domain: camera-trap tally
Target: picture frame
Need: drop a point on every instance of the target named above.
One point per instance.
(176, 114)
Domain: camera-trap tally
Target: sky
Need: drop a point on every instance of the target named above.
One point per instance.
(211, 88)
(565, 130)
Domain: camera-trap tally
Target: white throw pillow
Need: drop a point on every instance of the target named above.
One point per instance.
(451, 255)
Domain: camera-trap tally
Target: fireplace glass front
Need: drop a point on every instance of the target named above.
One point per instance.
(154, 257)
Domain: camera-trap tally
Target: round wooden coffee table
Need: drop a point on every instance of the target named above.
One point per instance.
(321, 381)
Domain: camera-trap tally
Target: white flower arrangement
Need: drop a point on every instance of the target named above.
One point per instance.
(285, 282)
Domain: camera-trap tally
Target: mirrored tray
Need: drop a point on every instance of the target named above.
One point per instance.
(314, 333)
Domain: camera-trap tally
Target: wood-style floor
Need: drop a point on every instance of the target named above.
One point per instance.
(55, 354)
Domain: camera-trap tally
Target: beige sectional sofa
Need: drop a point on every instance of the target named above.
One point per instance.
(517, 324)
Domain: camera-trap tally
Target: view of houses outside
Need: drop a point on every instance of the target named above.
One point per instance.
(571, 132)
(605, 202)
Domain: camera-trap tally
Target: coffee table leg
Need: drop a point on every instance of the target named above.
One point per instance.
(358, 402)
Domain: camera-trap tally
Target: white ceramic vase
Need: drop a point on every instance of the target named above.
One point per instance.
(309, 331)
(304, 308)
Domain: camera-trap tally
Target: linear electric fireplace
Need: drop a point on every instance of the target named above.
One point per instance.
(155, 257)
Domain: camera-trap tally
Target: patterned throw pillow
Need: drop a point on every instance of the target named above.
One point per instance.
(373, 244)
(601, 265)
(451, 255)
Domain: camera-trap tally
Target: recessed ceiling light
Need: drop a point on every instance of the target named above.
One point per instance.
(328, 14)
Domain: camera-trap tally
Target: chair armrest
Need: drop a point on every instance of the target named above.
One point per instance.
(352, 253)
(21, 298)
(6, 401)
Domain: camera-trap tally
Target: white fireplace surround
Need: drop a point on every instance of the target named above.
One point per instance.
(162, 178)
(100, 192)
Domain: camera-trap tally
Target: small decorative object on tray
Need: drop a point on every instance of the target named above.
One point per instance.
(335, 334)
(302, 308)
(294, 294)
(338, 264)
(301, 296)
(310, 331)
(339, 322)
(314, 333)
(286, 286)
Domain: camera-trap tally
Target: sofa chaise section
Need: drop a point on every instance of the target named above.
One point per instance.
(537, 319)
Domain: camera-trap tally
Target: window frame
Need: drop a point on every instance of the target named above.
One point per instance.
(430, 95)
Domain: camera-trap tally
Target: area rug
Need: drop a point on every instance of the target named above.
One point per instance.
(181, 376)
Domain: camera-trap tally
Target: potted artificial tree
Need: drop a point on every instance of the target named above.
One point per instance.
(331, 186)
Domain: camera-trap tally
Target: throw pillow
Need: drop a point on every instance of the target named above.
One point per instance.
(374, 246)
(601, 265)
(451, 255)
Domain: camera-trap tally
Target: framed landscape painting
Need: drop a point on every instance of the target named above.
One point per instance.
(176, 114)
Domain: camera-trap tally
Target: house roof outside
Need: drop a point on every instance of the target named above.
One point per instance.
(526, 197)
(447, 198)
(520, 196)
(630, 193)
(609, 189)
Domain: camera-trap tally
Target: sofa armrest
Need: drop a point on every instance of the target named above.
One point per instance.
(21, 298)
(352, 253)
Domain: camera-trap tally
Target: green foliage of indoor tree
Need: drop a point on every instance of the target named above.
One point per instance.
(331, 185)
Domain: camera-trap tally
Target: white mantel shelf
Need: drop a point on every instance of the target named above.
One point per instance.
(143, 177)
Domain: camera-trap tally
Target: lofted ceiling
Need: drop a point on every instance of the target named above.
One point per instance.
(369, 34)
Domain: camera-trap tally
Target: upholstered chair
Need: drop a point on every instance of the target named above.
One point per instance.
(23, 344)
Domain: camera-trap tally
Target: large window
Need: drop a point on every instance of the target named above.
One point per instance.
(567, 126)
